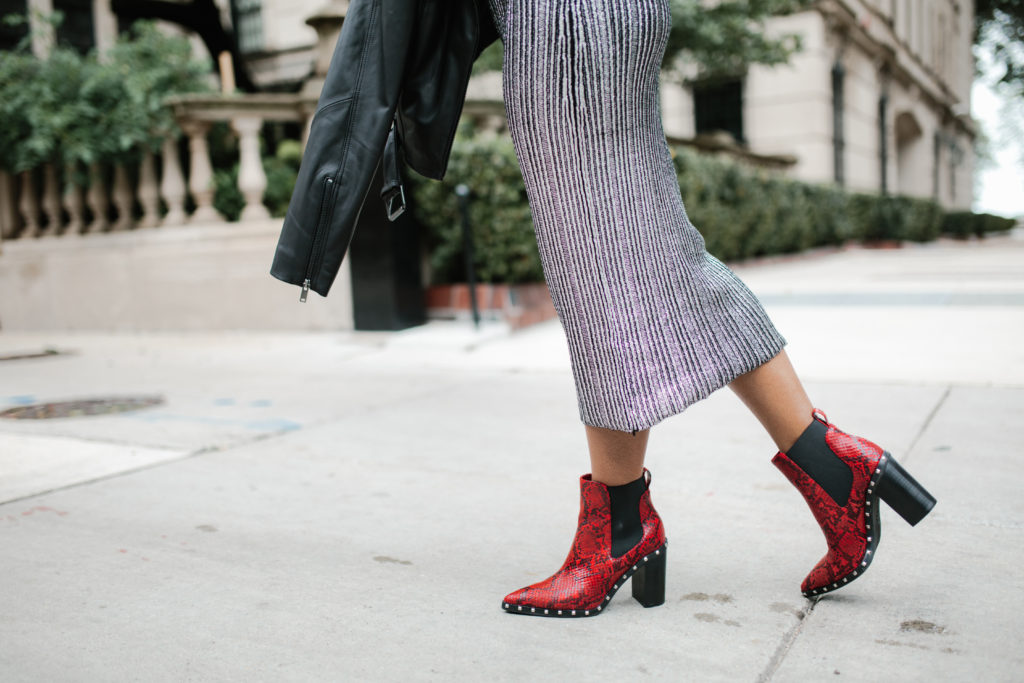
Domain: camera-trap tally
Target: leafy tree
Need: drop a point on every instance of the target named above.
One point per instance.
(200, 16)
(73, 108)
(721, 38)
(16, 152)
(1000, 24)
(150, 65)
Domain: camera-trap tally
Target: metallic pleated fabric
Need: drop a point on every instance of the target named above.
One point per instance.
(653, 322)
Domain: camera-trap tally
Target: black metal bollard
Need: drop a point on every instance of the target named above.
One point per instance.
(387, 292)
(463, 193)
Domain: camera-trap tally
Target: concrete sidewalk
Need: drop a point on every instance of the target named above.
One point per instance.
(353, 506)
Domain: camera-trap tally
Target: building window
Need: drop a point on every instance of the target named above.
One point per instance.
(718, 106)
(11, 35)
(956, 157)
(248, 18)
(883, 142)
(77, 29)
(838, 134)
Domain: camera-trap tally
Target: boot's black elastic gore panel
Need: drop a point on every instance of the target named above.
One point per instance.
(627, 529)
(812, 454)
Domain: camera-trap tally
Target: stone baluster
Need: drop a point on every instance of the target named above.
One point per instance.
(28, 204)
(172, 184)
(307, 125)
(200, 177)
(74, 201)
(252, 180)
(124, 198)
(97, 199)
(51, 201)
(8, 212)
(149, 193)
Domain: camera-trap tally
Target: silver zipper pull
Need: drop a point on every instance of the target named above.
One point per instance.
(305, 291)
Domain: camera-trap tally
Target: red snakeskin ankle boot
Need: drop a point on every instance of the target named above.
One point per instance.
(846, 507)
(591, 575)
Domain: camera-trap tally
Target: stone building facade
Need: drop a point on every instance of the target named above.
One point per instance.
(878, 100)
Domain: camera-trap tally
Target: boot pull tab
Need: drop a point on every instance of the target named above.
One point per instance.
(819, 416)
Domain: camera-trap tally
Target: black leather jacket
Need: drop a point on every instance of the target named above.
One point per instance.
(396, 84)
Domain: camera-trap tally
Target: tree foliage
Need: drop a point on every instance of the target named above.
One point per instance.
(742, 212)
(72, 108)
(202, 17)
(1000, 25)
(722, 38)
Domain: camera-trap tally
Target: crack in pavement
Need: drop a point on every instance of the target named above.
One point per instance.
(927, 422)
(787, 643)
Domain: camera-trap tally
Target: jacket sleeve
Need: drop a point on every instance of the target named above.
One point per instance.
(452, 34)
(488, 31)
(345, 142)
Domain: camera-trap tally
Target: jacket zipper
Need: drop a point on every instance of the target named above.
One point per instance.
(317, 234)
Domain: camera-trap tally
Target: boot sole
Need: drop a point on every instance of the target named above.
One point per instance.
(651, 599)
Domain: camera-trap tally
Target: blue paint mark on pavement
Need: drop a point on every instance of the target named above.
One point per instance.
(274, 425)
(262, 425)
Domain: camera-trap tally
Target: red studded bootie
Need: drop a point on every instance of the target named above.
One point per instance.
(842, 478)
(619, 536)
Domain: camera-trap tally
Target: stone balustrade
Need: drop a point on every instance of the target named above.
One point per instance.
(46, 202)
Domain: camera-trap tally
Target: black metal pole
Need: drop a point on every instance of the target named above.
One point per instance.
(462, 191)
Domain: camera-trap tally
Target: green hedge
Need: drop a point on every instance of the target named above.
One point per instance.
(79, 109)
(742, 212)
(963, 224)
(503, 239)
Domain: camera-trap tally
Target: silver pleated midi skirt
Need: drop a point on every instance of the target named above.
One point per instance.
(653, 322)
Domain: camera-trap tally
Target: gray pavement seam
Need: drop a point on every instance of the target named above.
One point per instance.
(787, 643)
(217, 448)
(88, 438)
(927, 422)
(141, 468)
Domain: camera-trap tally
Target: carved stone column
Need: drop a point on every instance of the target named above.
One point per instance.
(149, 193)
(124, 199)
(28, 205)
(8, 210)
(327, 23)
(307, 123)
(97, 199)
(252, 180)
(51, 201)
(200, 177)
(172, 184)
(74, 202)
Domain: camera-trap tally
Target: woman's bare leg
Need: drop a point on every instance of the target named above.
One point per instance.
(616, 457)
(774, 394)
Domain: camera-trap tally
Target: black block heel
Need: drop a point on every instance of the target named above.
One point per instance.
(649, 580)
(902, 492)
